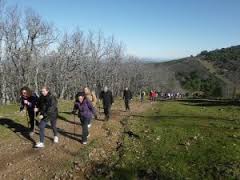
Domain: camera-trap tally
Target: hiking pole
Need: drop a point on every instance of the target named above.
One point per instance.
(35, 120)
(27, 117)
(99, 108)
(74, 124)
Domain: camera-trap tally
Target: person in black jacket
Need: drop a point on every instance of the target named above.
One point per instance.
(28, 101)
(47, 107)
(127, 96)
(107, 100)
(142, 94)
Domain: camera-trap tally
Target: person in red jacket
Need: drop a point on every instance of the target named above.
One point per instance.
(155, 95)
(151, 95)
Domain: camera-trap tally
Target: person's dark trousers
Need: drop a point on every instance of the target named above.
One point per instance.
(90, 121)
(107, 111)
(84, 122)
(42, 126)
(31, 119)
(127, 104)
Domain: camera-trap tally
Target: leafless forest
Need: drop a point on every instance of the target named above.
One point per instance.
(33, 52)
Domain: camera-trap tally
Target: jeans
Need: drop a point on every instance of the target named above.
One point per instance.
(84, 122)
(31, 119)
(42, 126)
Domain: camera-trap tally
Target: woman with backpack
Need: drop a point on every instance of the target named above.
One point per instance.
(91, 96)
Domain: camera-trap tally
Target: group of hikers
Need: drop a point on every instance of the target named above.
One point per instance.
(154, 95)
(46, 109)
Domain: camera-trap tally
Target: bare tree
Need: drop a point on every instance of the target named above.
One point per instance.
(78, 59)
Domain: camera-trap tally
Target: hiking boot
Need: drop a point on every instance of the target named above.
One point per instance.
(40, 145)
(31, 134)
(55, 140)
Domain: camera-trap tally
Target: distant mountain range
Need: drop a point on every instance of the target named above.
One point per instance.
(214, 73)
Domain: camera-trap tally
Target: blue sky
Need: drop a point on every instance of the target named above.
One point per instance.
(149, 28)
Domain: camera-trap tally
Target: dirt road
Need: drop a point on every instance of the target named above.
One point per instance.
(19, 160)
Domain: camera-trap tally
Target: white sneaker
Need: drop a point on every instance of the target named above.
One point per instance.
(31, 134)
(89, 125)
(40, 145)
(55, 140)
(84, 143)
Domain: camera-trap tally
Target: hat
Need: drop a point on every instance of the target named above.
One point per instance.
(79, 94)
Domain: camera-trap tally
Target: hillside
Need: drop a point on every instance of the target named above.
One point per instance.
(226, 62)
(215, 73)
(162, 78)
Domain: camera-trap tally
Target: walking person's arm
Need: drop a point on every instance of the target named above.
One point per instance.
(90, 106)
(112, 100)
(34, 101)
(52, 105)
(21, 104)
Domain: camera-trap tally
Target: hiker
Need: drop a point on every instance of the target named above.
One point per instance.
(142, 94)
(48, 111)
(151, 95)
(155, 95)
(91, 96)
(127, 96)
(107, 100)
(169, 95)
(85, 112)
(28, 100)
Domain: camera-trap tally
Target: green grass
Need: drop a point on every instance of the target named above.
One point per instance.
(178, 140)
(12, 113)
(181, 141)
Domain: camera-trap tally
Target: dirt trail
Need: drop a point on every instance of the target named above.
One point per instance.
(19, 160)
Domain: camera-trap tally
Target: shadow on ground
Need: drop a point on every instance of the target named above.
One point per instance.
(74, 117)
(112, 172)
(21, 131)
(207, 102)
(170, 117)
